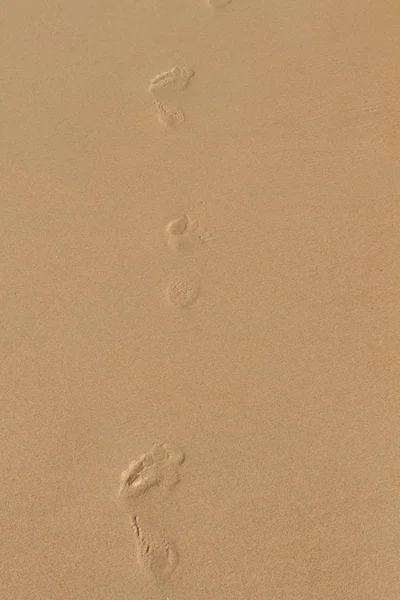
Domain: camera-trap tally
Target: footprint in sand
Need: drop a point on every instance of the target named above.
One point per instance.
(157, 557)
(169, 116)
(158, 467)
(176, 79)
(185, 234)
(183, 290)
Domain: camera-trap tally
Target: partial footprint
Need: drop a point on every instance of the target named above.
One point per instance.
(219, 3)
(185, 234)
(175, 80)
(159, 467)
(169, 116)
(183, 290)
(178, 226)
(158, 558)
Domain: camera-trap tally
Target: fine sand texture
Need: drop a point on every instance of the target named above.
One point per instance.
(200, 300)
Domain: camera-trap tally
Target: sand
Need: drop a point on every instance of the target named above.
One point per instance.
(199, 346)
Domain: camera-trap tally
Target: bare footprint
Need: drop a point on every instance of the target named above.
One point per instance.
(183, 290)
(185, 234)
(158, 467)
(169, 116)
(178, 226)
(157, 557)
(176, 79)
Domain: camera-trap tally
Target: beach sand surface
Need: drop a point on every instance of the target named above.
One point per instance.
(199, 293)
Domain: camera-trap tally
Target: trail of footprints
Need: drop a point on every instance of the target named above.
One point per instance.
(160, 466)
